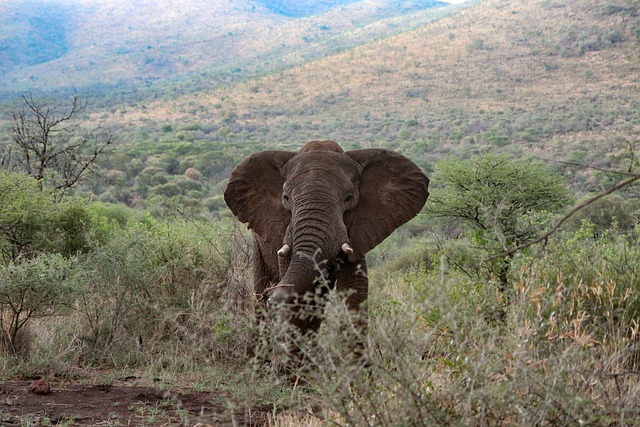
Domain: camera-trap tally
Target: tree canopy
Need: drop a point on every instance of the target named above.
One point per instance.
(497, 197)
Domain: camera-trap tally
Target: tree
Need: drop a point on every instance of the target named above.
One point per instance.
(35, 220)
(39, 287)
(498, 199)
(48, 143)
(26, 210)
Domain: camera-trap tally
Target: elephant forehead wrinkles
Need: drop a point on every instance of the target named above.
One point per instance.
(322, 172)
(324, 162)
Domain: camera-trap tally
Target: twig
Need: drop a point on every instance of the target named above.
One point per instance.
(625, 173)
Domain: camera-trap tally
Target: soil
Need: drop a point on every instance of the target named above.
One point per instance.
(118, 404)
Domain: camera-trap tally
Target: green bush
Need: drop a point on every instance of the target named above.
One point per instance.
(502, 203)
(27, 213)
(75, 228)
(613, 212)
(157, 284)
(43, 286)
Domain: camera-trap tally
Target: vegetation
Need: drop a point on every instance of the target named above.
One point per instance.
(170, 296)
(503, 204)
(48, 145)
(514, 109)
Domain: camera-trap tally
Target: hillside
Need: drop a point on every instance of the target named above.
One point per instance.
(52, 45)
(553, 79)
(550, 80)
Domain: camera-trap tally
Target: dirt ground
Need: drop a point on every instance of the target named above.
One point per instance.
(118, 404)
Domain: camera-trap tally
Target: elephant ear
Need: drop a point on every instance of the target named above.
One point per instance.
(393, 190)
(254, 195)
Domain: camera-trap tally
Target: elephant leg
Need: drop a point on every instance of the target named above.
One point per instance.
(265, 270)
(265, 275)
(353, 281)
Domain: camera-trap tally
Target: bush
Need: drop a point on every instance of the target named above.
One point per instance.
(586, 289)
(75, 227)
(566, 354)
(502, 203)
(162, 284)
(43, 286)
(27, 212)
(613, 212)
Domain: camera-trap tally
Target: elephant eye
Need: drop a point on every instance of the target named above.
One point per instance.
(285, 198)
(349, 198)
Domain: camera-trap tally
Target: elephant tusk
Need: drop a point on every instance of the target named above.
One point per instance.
(284, 250)
(347, 249)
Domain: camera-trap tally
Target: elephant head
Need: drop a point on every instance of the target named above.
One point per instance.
(321, 206)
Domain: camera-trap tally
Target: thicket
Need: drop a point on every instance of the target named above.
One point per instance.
(122, 274)
(98, 285)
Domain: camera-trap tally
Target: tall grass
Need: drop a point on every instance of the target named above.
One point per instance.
(565, 354)
(172, 300)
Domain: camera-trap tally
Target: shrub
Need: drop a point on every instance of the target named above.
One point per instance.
(43, 286)
(585, 289)
(501, 202)
(162, 284)
(26, 213)
(75, 228)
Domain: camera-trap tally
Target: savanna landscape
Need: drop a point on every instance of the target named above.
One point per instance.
(126, 285)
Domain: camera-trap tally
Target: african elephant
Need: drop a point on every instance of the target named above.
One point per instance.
(316, 213)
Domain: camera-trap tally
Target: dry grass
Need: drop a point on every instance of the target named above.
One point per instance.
(564, 353)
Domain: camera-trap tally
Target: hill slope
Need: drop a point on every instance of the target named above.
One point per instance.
(48, 45)
(557, 79)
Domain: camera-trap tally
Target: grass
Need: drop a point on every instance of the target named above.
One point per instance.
(564, 352)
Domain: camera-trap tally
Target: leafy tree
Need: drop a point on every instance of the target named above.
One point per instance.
(25, 212)
(501, 201)
(45, 285)
(34, 220)
(48, 143)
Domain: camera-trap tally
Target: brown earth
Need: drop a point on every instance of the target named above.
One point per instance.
(118, 404)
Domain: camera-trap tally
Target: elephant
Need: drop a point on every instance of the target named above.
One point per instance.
(316, 213)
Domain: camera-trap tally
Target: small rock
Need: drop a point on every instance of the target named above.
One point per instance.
(40, 387)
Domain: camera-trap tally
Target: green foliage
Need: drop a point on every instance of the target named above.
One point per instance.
(153, 280)
(27, 214)
(75, 228)
(503, 204)
(500, 200)
(613, 212)
(45, 285)
(34, 220)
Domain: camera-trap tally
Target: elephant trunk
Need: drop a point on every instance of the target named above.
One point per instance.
(318, 234)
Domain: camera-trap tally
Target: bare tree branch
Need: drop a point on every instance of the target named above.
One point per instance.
(52, 145)
(566, 216)
(628, 173)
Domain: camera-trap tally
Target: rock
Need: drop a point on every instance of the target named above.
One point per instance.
(40, 387)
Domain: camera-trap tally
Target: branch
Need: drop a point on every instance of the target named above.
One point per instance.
(597, 168)
(558, 223)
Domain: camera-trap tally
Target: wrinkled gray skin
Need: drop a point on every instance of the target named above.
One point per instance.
(314, 202)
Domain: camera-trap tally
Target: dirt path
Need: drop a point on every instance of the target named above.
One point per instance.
(117, 404)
